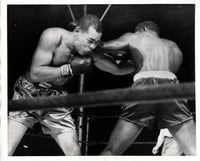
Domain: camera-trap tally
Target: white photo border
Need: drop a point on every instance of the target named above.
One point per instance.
(4, 111)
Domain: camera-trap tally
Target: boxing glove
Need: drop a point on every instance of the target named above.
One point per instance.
(99, 45)
(120, 55)
(78, 65)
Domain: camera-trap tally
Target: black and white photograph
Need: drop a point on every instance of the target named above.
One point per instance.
(99, 80)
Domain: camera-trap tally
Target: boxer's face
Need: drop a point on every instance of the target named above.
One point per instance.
(86, 41)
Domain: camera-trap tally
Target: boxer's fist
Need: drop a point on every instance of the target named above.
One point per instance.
(99, 45)
(155, 150)
(80, 65)
(120, 55)
(77, 65)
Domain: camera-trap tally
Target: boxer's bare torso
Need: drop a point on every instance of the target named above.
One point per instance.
(55, 45)
(56, 48)
(151, 53)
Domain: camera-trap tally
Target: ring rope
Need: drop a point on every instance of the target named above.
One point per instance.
(84, 10)
(90, 143)
(108, 7)
(71, 13)
(150, 94)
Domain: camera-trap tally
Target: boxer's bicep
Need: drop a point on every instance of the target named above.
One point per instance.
(42, 58)
(176, 50)
(44, 52)
(41, 69)
(176, 58)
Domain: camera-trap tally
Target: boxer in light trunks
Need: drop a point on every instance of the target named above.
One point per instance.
(157, 60)
(60, 55)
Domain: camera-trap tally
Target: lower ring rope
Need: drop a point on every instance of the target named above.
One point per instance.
(90, 143)
(150, 94)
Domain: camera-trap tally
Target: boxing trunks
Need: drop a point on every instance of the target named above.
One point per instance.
(56, 120)
(165, 114)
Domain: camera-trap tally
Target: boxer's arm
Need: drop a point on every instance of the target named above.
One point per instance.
(159, 143)
(40, 67)
(122, 43)
(108, 64)
(160, 139)
(177, 57)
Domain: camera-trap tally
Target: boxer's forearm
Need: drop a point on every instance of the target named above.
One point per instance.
(159, 143)
(77, 66)
(45, 73)
(160, 139)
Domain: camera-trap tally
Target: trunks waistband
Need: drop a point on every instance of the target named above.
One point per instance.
(156, 74)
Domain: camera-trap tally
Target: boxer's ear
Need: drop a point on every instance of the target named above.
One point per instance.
(77, 29)
(72, 25)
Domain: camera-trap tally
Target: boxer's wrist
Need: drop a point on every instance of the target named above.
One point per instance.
(66, 70)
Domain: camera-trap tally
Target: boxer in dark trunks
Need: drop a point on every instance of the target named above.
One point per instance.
(156, 62)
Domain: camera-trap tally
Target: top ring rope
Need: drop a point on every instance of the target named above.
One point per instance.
(150, 94)
(71, 13)
(108, 7)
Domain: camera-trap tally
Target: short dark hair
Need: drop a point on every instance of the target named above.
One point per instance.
(90, 20)
(149, 25)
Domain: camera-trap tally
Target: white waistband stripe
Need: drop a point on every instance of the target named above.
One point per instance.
(156, 74)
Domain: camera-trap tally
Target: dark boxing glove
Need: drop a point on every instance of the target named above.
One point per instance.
(82, 65)
(78, 65)
(99, 46)
(120, 55)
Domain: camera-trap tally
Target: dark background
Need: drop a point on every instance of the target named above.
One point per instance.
(26, 23)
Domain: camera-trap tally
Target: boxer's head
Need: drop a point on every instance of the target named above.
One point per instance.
(87, 33)
(149, 25)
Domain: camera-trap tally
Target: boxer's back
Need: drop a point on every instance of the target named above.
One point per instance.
(153, 53)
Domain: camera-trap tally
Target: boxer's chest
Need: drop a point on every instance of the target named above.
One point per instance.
(62, 55)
